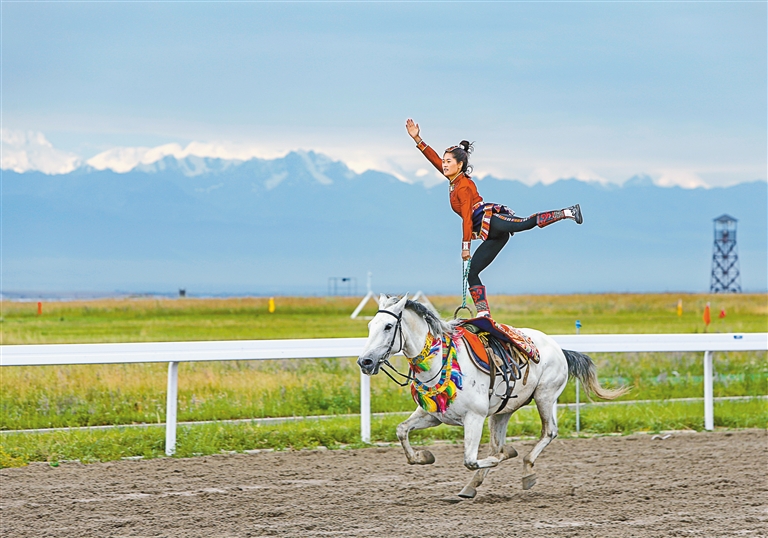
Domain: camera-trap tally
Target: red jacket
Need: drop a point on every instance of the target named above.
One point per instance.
(463, 192)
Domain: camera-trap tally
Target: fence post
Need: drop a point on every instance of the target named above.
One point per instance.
(365, 408)
(578, 406)
(170, 408)
(709, 408)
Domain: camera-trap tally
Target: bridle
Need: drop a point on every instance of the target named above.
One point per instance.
(385, 364)
(398, 327)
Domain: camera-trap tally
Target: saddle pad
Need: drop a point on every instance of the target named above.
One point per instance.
(505, 333)
(477, 351)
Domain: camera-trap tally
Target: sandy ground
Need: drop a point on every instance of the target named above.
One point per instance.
(692, 484)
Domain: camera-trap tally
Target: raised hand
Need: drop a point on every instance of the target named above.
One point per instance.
(413, 129)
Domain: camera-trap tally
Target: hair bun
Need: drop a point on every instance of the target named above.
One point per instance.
(467, 145)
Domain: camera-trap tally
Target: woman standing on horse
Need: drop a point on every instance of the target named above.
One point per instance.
(491, 223)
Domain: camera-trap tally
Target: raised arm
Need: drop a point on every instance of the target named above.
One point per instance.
(413, 130)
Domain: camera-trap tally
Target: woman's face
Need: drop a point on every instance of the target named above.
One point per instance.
(451, 166)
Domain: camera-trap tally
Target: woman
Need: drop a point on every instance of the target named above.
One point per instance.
(491, 223)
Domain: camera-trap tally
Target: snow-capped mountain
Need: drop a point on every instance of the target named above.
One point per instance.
(286, 225)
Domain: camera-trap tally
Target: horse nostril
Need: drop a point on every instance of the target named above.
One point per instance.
(367, 363)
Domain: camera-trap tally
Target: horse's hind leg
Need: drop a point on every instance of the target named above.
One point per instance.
(497, 424)
(419, 420)
(547, 407)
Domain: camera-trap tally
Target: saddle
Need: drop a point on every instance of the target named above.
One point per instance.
(500, 351)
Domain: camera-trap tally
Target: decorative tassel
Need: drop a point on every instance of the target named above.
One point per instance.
(439, 398)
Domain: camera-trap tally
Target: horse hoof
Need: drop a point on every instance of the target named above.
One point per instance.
(425, 457)
(509, 452)
(468, 492)
(529, 481)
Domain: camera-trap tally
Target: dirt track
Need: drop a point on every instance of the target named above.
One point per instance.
(692, 484)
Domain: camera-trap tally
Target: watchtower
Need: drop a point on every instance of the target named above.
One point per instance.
(725, 257)
(342, 285)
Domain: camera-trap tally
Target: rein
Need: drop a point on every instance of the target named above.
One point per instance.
(465, 274)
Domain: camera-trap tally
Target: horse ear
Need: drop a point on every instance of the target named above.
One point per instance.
(401, 303)
(382, 298)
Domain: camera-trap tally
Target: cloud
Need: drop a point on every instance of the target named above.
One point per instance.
(125, 159)
(26, 151)
(687, 179)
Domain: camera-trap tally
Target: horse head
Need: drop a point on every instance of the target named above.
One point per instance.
(385, 334)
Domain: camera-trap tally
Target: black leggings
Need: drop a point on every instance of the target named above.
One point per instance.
(498, 235)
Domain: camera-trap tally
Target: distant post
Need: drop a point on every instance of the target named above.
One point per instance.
(707, 317)
(39, 308)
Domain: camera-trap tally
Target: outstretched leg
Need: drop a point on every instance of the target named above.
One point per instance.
(501, 227)
(419, 420)
(547, 406)
(497, 424)
(498, 235)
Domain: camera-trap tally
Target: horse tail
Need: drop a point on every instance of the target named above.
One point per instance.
(581, 367)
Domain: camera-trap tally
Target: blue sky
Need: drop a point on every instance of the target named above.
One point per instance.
(595, 90)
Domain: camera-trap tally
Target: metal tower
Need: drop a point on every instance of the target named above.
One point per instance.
(725, 257)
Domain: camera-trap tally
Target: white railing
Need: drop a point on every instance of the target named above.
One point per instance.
(175, 352)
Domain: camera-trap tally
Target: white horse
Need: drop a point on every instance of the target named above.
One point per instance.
(409, 327)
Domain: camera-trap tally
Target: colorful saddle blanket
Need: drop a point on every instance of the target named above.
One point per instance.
(488, 340)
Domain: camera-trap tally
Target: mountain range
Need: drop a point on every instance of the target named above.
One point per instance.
(287, 225)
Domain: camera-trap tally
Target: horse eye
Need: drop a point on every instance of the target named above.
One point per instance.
(388, 327)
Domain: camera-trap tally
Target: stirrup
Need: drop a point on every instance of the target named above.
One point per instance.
(459, 309)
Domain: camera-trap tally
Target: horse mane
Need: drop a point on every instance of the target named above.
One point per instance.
(437, 327)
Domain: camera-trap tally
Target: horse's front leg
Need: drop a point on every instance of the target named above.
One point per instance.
(497, 424)
(419, 420)
(473, 432)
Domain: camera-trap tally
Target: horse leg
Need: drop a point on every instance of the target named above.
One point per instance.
(548, 413)
(473, 432)
(419, 420)
(497, 424)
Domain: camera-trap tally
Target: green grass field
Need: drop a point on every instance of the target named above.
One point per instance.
(43, 397)
(153, 320)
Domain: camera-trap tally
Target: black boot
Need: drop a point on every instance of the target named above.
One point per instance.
(548, 217)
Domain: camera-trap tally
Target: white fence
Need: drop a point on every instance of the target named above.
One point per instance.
(175, 352)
